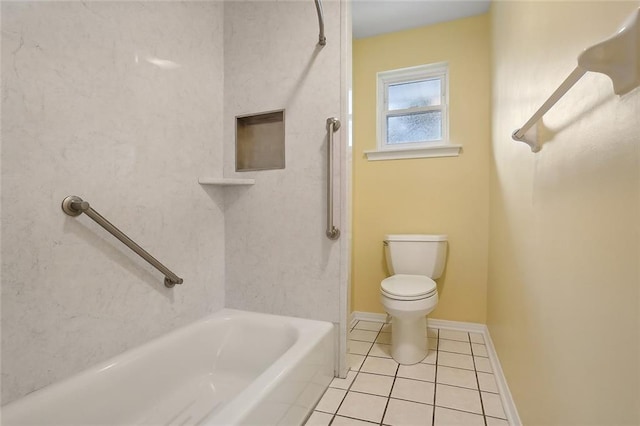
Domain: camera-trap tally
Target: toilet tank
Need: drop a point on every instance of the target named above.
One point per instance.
(416, 254)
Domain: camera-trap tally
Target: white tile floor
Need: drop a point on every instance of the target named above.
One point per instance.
(453, 385)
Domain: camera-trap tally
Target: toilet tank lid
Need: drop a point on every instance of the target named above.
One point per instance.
(414, 237)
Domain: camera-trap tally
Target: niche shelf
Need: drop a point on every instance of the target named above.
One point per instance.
(260, 141)
(225, 181)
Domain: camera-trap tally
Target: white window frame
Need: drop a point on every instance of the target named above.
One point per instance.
(437, 148)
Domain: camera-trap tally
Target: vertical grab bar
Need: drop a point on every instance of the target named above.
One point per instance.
(333, 124)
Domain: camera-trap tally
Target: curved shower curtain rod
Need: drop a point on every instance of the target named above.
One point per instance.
(322, 40)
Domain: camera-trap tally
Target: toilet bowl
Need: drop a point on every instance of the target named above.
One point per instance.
(410, 294)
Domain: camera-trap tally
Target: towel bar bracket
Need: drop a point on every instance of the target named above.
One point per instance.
(533, 142)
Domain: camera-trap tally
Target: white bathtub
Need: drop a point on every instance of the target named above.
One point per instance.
(231, 368)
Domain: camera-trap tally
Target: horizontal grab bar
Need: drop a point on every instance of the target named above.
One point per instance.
(75, 206)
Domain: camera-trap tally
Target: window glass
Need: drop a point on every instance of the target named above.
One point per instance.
(415, 94)
(417, 127)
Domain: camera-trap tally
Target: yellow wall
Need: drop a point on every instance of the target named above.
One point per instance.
(563, 293)
(431, 195)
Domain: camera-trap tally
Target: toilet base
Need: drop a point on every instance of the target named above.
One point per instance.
(409, 340)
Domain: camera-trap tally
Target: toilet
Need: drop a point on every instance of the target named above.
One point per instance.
(410, 293)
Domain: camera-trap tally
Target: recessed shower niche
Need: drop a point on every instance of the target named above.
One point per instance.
(260, 141)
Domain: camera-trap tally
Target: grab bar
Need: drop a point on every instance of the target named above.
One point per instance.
(322, 40)
(75, 206)
(333, 124)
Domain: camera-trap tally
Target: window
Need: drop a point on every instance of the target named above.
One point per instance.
(413, 113)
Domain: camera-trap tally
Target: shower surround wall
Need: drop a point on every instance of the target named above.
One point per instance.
(278, 259)
(121, 104)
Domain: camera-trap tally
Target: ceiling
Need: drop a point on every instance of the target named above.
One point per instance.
(374, 17)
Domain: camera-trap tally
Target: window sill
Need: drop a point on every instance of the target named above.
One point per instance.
(443, 150)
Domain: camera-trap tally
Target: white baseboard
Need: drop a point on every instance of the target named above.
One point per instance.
(505, 394)
(473, 327)
(367, 316)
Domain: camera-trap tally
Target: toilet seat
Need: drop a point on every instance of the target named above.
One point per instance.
(408, 287)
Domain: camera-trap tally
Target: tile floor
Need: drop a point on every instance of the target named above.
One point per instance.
(453, 385)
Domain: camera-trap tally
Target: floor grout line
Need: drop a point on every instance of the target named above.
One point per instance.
(354, 418)
(435, 378)
(384, 412)
(484, 417)
(354, 380)
(348, 387)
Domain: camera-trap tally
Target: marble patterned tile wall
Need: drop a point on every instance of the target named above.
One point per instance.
(278, 259)
(121, 104)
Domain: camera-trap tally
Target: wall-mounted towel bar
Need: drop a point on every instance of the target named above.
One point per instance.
(74, 206)
(618, 57)
(322, 40)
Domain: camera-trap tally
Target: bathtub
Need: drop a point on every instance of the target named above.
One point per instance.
(230, 368)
